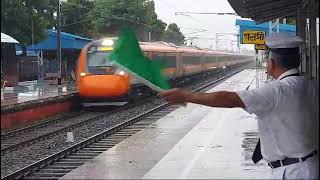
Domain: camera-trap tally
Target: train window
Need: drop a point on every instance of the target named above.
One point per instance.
(98, 59)
(167, 61)
(191, 60)
(220, 58)
(210, 59)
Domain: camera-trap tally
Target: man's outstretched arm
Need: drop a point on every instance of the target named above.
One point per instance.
(215, 99)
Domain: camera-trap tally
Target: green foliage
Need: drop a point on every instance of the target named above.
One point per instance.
(28, 20)
(23, 18)
(157, 30)
(108, 16)
(173, 34)
(74, 17)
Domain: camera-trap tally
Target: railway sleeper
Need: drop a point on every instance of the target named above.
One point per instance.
(108, 146)
(85, 154)
(167, 111)
(61, 163)
(171, 107)
(110, 141)
(86, 150)
(95, 149)
(152, 118)
(40, 178)
(128, 131)
(74, 160)
(102, 144)
(156, 116)
(47, 170)
(99, 146)
(133, 128)
(79, 157)
(61, 167)
(142, 124)
(121, 135)
(38, 174)
(159, 113)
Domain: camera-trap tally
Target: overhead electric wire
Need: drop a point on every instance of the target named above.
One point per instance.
(176, 9)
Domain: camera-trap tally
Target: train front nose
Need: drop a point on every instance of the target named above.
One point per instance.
(103, 86)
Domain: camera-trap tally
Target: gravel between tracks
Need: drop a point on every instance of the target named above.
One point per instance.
(16, 160)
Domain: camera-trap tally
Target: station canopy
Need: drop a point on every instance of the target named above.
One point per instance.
(8, 39)
(266, 10)
(68, 41)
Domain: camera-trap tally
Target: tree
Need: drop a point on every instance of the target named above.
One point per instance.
(156, 26)
(74, 17)
(173, 34)
(109, 16)
(157, 30)
(25, 20)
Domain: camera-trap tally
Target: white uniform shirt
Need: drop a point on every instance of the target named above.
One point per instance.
(286, 120)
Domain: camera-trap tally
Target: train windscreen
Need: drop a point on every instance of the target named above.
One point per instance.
(98, 61)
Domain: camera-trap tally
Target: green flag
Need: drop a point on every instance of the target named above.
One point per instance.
(128, 55)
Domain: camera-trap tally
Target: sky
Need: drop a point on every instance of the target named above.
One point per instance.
(166, 9)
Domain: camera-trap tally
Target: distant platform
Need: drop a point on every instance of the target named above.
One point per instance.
(31, 101)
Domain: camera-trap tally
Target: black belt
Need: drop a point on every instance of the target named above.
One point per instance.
(287, 161)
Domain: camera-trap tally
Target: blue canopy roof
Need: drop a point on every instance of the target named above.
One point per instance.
(68, 41)
(252, 25)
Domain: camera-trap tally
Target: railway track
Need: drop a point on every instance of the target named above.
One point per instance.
(59, 164)
(17, 138)
(14, 140)
(20, 138)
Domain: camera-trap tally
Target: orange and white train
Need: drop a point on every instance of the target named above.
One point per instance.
(101, 83)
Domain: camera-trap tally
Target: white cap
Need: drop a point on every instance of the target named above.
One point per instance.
(283, 40)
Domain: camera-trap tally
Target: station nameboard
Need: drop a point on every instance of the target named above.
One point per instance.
(253, 37)
(260, 47)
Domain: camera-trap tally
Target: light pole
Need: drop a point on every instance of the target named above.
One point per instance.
(222, 34)
(59, 44)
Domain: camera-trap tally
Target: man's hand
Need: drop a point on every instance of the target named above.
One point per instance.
(176, 96)
(215, 99)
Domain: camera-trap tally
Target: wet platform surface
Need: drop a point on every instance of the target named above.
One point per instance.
(193, 142)
(28, 92)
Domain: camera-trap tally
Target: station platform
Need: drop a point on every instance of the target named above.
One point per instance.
(31, 101)
(192, 142)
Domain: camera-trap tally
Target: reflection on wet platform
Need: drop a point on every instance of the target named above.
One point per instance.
(30, 92)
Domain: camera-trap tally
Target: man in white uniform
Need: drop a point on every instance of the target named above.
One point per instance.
(287, 111)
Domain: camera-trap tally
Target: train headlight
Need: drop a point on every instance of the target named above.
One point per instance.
(224, 67)
(107, 42)
(120, 72)
(83, 74)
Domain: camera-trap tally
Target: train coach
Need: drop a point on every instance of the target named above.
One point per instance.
(101, 83)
